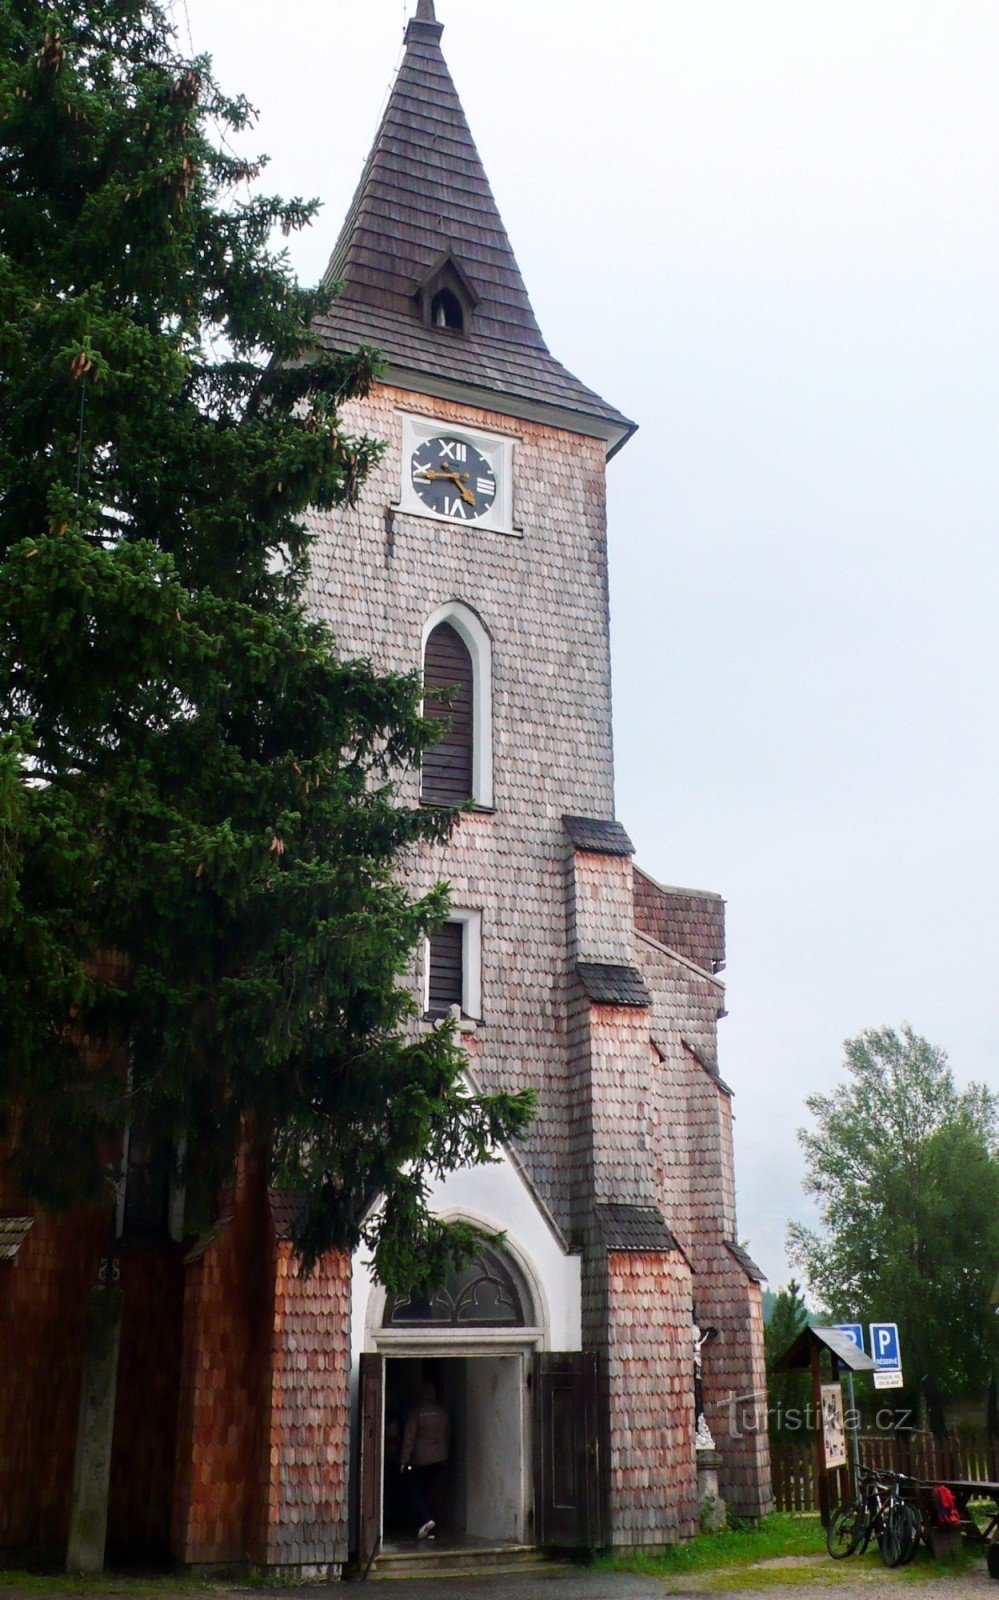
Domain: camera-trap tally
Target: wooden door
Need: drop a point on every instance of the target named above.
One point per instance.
(568, 1498)
(369, 1509)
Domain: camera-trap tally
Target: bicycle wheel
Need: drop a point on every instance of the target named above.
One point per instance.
(845, 1530)
(871, 1519)
(915, 1531)
(896, 1541)
(865, 1530)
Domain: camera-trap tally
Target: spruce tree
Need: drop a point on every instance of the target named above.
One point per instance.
(788, 1393)
(202, 928)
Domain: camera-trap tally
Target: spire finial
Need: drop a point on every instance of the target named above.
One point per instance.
(424, 24)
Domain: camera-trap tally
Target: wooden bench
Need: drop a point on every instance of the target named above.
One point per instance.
(964, 1491)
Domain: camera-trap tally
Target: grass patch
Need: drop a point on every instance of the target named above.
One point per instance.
(739, 1560)
(739, 1546)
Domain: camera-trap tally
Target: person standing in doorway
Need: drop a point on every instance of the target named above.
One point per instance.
(426, 1442)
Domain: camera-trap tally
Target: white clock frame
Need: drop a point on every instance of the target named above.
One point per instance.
(496, 449)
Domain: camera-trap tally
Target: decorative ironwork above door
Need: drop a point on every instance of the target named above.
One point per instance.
(483, 1294)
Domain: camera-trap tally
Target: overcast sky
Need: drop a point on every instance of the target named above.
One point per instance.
(767, 230)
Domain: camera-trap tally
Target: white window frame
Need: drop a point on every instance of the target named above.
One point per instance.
(472, 632)
(471, 963)
(177, 1192)
(497, 450)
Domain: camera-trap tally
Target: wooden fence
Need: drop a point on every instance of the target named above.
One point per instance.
(794, 1477)
(918, 1454)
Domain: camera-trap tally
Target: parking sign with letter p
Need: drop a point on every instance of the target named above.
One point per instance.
(886, 1352)
(854, 1332)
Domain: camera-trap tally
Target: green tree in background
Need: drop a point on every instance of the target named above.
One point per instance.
(191, 779)
(788, 1393)
(905, 1168)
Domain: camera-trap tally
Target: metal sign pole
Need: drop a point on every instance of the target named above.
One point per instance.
(855, 1333)
(852, 1430)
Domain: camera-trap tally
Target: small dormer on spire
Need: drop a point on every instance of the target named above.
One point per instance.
(445, 294)
(424, 25)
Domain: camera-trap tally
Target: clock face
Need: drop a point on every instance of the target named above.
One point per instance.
(452, 478)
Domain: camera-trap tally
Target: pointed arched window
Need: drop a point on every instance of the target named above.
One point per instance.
(447, 698)
(457, 693)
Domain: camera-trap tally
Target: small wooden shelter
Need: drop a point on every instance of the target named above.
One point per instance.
(808, 1351)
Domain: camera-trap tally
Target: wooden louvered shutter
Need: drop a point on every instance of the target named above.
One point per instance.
(447, 697)
(446, 969)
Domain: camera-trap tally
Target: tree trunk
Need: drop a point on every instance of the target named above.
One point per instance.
(92, 1469)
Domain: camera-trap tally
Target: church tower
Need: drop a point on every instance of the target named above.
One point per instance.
(477, 556)
(261, 1415)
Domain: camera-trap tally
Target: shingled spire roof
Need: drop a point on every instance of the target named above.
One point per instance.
(424, 214)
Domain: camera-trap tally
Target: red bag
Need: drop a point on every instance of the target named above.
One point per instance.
(946, 1513)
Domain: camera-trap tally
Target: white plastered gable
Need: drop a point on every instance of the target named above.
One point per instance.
(497, 1197)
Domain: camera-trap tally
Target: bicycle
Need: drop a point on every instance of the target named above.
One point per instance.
(879, 1510)
(902, 1526)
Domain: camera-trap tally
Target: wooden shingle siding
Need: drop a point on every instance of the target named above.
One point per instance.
(447, 697)
(446, 969)
(510, 862)
(689, 921)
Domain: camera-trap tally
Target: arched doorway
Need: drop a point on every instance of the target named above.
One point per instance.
(502, 1340)
(467, 1345)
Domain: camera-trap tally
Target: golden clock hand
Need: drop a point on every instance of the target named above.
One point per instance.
(466, 494)
(455, 478)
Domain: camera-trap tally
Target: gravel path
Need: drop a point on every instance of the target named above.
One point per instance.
(793, 1577)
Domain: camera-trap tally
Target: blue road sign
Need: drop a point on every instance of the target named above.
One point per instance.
(853, 1330)
(884, 1346)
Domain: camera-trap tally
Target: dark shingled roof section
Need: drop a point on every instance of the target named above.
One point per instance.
(205, 1240)
(610, 985)
(633, 1228)
(424, 193)
(284, 1209)
(746, 1262)
(13, 1232)
(604, 838)
(689, 921)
